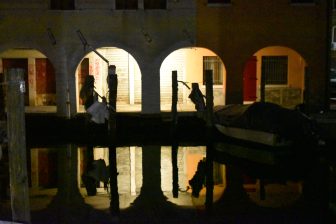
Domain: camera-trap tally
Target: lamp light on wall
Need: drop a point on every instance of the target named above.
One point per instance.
(51, 36)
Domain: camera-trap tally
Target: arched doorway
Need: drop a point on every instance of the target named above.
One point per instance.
(39, 76)
(190, 64)
(127, 69)
(275, 74)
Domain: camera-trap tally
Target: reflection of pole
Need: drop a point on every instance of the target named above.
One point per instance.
(175, 171)
(17, 146)
(112, 81)
(174, 140)
(114, 203)
(89, 158)
(209, 151)
(262, 191)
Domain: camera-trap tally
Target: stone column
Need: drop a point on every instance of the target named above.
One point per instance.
(62, 95)
(72, 94)
(150, 89)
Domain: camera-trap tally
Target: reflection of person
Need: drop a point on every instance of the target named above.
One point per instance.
(98, 172)
(198, 180)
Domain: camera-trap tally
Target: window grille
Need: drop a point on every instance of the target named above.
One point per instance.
(62, 4)
(215, 64)
(129, 4)
(274, 69)
(155, 4)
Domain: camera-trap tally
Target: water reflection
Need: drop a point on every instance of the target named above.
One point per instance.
(152, 185)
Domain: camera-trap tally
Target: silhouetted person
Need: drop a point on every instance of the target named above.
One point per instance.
(197, 97)
(87, 92)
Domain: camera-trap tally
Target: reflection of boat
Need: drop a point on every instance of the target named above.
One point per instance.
(252, 154)
(265, 123)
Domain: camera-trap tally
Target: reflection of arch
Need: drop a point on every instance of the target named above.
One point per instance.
(129, 168)
(284, 72)
(128, 71)
(188, 158)
(39, 75)
(190, 64)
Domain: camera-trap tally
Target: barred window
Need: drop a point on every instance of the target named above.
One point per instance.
(155, 4)
(129, 4)
(62, 4)
(274, 69)
(215, 64)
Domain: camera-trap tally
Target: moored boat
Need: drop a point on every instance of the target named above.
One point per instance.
(267, 124)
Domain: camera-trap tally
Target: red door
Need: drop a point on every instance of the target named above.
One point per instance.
(83, 72)
(250, 79)
(8, 63)
(45, 77)
(47, 168)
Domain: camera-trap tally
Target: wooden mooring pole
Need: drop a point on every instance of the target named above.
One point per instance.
(173, 134)
(112, 81)
(209, 150)
(17, 145)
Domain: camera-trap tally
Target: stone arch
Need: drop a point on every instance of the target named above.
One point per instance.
(188, 62)
(128, 71)
(286, 90)
(40, 76)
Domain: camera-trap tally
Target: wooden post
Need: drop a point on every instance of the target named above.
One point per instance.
(17, 145)
(209, 151)
(112, 81)
(174, 98)
(174, 137)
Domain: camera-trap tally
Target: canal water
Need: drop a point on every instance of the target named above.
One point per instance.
(169, 184)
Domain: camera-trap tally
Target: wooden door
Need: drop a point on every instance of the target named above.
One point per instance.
(45, 77)
(250, 79)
